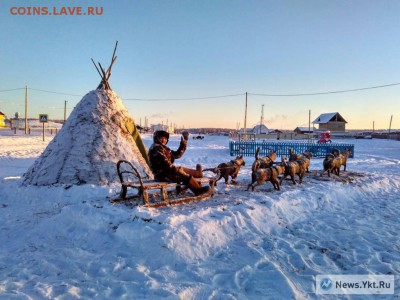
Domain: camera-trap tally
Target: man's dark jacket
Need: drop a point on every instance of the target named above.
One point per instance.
(162, 160)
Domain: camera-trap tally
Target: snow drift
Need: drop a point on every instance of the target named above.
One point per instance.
(96, 135)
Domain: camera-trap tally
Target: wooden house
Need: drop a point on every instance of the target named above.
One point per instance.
(331, 121)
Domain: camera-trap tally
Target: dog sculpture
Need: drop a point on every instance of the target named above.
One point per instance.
(292, 168)
(343, 157)
(304, 158)
(231, 168)
(331, 164)
(261, 175)
(263, 162)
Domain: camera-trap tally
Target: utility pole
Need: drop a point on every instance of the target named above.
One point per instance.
(245, 120)
(26, 109)
(390, 124)
(65, 111)
(262, 117)
(373, 126)
(309, 124)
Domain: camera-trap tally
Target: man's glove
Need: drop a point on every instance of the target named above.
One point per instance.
(185, 135)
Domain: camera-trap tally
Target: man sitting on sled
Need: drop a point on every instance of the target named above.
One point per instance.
(162, 163)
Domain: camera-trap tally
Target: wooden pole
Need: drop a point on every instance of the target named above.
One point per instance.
(262, 117)
(65, 111)
(390, 124)
(309, 124)
(245, 119)
(97, 68)
(113, 58)
(43, 131)
(373, 126)
(26, 109)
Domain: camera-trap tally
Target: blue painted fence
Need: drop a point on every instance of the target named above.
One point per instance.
(248, 148)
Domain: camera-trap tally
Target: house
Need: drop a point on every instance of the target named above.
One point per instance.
(2, 119)
(258, 129)
(303, 130)
(331, 121)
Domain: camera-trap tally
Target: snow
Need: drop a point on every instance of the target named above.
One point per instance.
(72, 243)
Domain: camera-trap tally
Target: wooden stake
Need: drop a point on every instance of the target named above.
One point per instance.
(97, 68)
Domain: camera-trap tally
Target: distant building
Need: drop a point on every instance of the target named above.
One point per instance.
(2, 119)
(331, 121)
(258, 129)
(275, 131)
(248, 130)
(166, 128)
(303, 130)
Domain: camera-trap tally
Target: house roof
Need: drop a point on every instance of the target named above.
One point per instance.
(305, 128)
(258, 128)
(325, 118)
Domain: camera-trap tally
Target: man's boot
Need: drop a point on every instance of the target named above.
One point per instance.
(199, 171)
(196, 188)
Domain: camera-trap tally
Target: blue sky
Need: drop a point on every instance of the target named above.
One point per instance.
(189, 49)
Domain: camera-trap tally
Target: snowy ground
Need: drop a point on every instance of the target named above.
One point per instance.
(72, 243)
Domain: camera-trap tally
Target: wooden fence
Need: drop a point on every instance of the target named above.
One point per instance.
(248, 148)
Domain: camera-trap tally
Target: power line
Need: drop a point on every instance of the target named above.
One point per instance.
(182, 99)
(325, 93)
(12, 90)
(223, 96)
(53, 92)
(59, 93)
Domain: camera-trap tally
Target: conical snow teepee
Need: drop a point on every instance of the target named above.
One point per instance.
(98, 133)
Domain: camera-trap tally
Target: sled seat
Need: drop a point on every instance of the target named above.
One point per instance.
(130, 177)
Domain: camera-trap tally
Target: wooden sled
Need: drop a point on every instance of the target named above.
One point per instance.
(152, 193)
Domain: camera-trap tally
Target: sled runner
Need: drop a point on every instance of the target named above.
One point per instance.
(152, 193)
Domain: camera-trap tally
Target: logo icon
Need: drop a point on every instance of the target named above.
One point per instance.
(325, 284)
